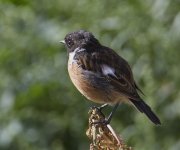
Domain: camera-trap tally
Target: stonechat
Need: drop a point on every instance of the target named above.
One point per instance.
(101, 75)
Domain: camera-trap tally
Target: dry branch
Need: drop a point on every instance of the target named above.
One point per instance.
(102, 136)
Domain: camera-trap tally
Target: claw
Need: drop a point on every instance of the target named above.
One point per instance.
(102, 122)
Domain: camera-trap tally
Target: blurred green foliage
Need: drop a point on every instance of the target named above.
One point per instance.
(40, 109)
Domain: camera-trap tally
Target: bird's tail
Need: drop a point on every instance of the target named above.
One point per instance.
(144, 108)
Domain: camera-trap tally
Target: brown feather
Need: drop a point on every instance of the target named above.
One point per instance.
(122, 82)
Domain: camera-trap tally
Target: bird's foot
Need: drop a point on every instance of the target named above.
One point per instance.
(98, 117)
(101, 122)
(102, 106)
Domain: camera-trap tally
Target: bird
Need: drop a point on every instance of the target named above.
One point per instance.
(101, 75)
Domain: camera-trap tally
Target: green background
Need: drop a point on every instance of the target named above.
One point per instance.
(40, 109)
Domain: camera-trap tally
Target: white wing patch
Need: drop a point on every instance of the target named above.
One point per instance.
(108, 70)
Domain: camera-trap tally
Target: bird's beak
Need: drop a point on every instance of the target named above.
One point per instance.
(63, 42)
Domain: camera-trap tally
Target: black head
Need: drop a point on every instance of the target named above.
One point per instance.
(80, 39)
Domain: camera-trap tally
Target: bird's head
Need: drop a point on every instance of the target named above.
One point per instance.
(80, 39)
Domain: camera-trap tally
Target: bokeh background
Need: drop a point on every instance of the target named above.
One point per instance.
(40, 109)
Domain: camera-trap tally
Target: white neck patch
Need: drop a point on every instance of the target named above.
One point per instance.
(72, 54)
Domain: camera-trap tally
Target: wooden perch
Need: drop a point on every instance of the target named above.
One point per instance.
(103, 136)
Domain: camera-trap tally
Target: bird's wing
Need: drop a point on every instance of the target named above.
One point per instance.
(112, 68)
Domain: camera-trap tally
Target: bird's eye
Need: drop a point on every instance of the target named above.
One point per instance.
(70, 43)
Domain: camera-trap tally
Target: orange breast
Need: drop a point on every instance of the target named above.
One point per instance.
(88, 90)
(84, 86)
